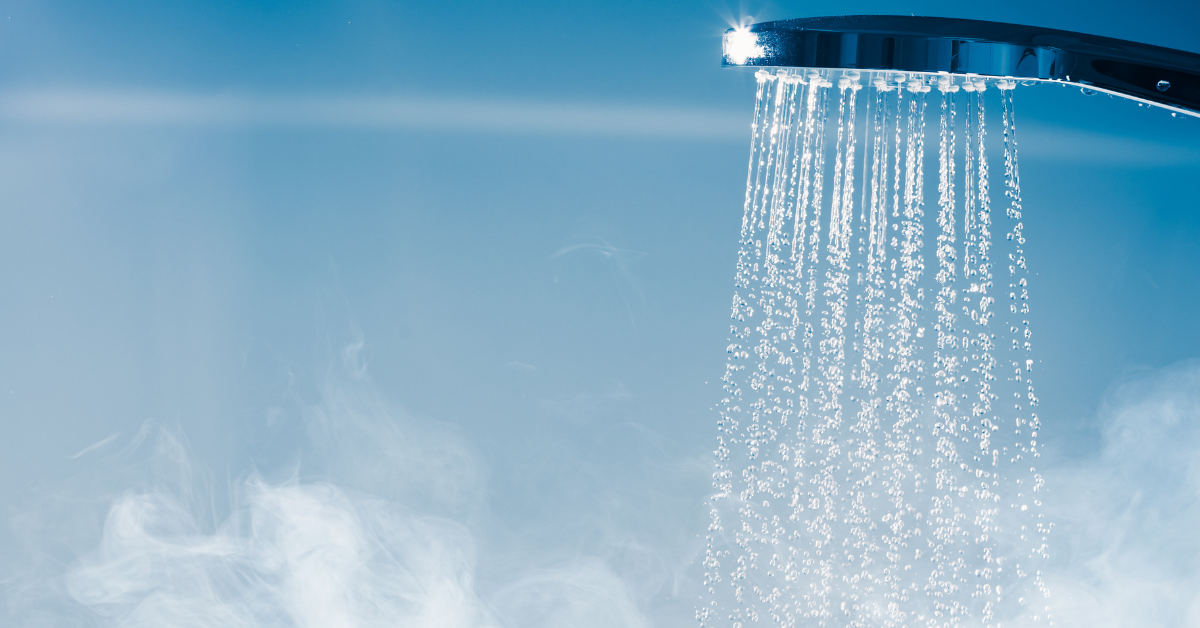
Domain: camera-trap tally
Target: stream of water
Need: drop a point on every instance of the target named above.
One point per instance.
(877, 448)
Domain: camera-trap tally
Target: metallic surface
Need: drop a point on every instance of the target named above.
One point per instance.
(1151, 74)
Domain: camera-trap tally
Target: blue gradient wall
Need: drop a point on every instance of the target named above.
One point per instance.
(522, 218)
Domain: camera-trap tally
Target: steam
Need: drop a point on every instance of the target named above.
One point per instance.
(297, 554)
(376, 520)
(367, 526)
(621, 260)
(1128, 552)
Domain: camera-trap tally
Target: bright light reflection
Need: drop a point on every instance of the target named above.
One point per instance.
(742, 45)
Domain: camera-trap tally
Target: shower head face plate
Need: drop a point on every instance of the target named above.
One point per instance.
(940, 46)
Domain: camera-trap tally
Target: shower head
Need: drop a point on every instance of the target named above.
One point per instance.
(944, 46)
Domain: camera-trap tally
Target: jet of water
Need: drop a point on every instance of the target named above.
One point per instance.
(877, 436)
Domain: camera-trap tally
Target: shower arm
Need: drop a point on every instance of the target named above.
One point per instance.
(932, 45)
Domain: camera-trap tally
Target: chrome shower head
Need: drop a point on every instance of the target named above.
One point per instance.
(944, 46)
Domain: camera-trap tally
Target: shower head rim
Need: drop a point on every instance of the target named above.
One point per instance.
(977, 48)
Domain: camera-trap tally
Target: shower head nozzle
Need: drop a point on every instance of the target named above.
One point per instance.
(930, 45)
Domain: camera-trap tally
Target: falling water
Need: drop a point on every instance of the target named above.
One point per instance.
(877, 437)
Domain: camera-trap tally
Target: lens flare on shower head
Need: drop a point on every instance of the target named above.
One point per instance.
(741, 45)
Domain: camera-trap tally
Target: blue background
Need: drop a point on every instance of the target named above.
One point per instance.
(555, 296)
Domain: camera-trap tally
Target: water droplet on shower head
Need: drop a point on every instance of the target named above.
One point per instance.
(1087, 92)
(1163, 86)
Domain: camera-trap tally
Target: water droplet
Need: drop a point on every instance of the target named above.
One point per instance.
(1163, 86)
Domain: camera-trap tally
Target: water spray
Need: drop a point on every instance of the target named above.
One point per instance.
(878, 436)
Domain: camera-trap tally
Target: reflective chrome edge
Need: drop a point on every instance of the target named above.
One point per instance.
(930, 45)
